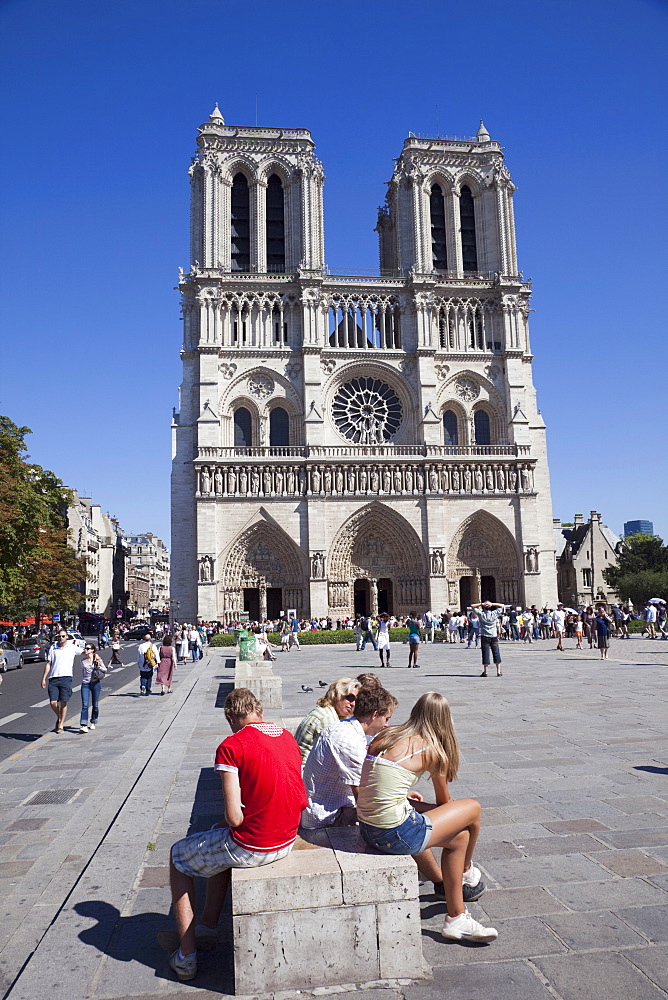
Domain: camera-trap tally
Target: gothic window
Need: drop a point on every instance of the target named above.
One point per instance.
(438, 240)
(451, 436)
(476, 332)
(240, 211)
(275, 225)
(467, 219)
(279, 428)
(367, 411)
(243, 429)
(482, 429)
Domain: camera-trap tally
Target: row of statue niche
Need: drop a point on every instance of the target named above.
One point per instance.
(279, 480)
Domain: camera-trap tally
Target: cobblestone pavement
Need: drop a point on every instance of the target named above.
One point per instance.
(568, 755)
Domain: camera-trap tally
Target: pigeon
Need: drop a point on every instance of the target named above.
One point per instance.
(306, 689)
(323, 684)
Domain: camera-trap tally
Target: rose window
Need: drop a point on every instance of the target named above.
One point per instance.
(367, 411)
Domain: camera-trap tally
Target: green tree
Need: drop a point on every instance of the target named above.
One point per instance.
(34, 556)
(642, 569)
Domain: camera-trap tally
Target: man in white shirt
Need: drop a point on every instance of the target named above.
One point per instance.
(428, 622)
(148, 659)
(559, 625)
(649, 615)
(59, 670)
(334, 766)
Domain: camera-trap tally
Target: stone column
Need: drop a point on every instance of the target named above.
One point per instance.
(475, 589)
(373, 588)
(263, 598)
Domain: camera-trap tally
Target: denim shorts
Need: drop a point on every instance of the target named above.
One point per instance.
(410, 837)
(60, 689)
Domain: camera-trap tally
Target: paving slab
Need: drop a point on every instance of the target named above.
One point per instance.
(597, 976)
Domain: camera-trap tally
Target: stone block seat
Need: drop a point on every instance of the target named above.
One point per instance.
(333, 912)
(258, 677)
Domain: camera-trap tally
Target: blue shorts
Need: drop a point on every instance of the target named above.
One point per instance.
(410, 837)
(414, 638)
(60, 689)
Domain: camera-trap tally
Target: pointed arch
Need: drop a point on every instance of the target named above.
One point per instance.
(483, 548)
(378, 544)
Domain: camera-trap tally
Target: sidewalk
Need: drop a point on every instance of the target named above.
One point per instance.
(568, 757)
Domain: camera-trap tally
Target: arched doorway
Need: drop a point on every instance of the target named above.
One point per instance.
(264, 574)
(484, 563)
(377, 564)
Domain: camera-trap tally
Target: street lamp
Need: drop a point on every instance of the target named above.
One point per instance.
(172, 606)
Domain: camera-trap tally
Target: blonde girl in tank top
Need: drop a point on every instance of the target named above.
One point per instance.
(395, 819)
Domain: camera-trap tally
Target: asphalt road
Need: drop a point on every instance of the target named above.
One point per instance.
(25, 714)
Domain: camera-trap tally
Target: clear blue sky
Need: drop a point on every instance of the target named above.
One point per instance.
(101, 105)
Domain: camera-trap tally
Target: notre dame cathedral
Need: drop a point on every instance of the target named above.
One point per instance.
(355, 444)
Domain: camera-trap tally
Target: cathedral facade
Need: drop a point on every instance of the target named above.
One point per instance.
(348, 444)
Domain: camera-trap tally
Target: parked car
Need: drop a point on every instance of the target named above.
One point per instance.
(34, 648)
(76, 638)
(137, 633)
(11, 657)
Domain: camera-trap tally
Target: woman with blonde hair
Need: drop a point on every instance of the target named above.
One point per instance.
(338, 702)
(396, 820)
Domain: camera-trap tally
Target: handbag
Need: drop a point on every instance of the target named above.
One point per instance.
(98, 671)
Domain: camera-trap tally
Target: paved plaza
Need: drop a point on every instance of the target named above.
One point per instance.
(568, 756)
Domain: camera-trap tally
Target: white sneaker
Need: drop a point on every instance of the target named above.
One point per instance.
(92, 725)
(83, 729)
(465, 928)
(472, 875)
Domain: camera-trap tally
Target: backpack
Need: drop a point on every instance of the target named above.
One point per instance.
(150, 658)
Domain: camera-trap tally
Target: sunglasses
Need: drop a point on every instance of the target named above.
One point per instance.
(350, 697)
(89, 647)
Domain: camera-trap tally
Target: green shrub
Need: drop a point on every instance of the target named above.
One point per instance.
(222, 639)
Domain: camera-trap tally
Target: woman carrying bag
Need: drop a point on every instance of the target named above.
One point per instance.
(92, 672)
(115, 660)
(166, 664)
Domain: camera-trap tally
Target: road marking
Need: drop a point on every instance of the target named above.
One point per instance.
(77, 688)
(10, 718)
(41, 704)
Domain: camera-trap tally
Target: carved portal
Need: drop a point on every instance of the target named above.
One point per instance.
(484, 553)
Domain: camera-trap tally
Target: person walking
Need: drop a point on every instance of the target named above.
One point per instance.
(489, 634)
(428, 625)
(559, 625)
(474, 629)
(383, 639)
(368, 633)
(579, 632)
(148, 658)
(414, 640)
(59, 671)
(195, 644)
(603, 624)
(589, 619)
(183, 644)
(115, 660)
(92, 672)
(649, 614)
(166, 664)
(294, 632)
(285, 636)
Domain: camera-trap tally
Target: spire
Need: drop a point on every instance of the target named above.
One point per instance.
(482, 134)
(216, 116)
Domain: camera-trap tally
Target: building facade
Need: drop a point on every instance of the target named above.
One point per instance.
(583, 550)
(638, 528)
(98, 539)
(150, 568)
(349, 444)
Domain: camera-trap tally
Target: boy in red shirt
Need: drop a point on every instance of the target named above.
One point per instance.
(260, 767)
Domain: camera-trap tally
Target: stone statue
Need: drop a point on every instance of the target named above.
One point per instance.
(512, 480)
(279, 481)
(351, 480)
(467, 480)
(409, 480)
(455, 479)
(243, 482)
(433, 481)
(339, 481)
(397, 481)
(375, 480)
(489, 479)
(231, 483)
(218, 478)
(302, 481)
(387, 480)
(315, 479)
(445, 480)
(266, 481)
(501, 480)
(363, 479)
(479, 482)
(206, 569)
(206, 480)
(291, 479)
(328, 479)
(419, 479)
(317, 566)
(255, 482)
(526, 480)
